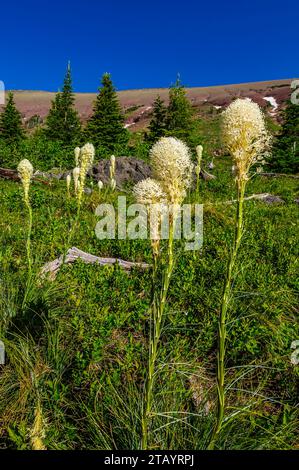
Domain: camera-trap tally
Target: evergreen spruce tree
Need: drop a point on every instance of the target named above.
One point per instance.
(157, 125)
(105, 128)
(11, 130)
(285, 152)
(63, 122)
(179, 120)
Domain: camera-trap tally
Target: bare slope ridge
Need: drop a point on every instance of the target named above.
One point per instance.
(138, 103)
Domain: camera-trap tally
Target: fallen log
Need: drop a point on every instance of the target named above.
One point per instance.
(52, 267)
(259, 197)
(279, 175)
(8, 174)
(207, 176)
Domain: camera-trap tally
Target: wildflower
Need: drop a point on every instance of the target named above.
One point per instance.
(37, 433)
(86, 160)
(149, 191)
(199, 150)
(112, 184)
(295, 354)
(25, 172)
(244, 135)
(76, 174)
(172, 170)
(77, 156)
(100, 185)
(172, 167)
(112, 166)
(68, 184)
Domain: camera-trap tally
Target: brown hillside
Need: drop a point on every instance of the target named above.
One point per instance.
(137, 103)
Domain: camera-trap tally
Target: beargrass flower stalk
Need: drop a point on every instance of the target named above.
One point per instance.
(245, 137)
(86, 160)
(150, 193)
(76, 174)
(77, 156)
(112, 172)
(100, 185)
(37, 434)
(68, 185)
(25, 172)
(199, 151)
(113, 184)
(172, 169)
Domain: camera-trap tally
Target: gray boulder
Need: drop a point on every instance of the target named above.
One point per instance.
(127, 170)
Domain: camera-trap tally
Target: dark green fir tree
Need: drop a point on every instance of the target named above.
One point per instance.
(105, 128)
(179, 120)
(63, 121)
(11, 130)
(285, 151)
(157, 126)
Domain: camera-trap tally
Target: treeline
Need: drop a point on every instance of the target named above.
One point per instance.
(51, 143)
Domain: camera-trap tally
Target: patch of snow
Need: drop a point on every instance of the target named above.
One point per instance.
(272, 101)
(217, 107)
(129, 124)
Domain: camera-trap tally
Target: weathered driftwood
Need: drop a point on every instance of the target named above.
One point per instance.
(260, 197)
(74, 253)
(207, 176)
(9, 174)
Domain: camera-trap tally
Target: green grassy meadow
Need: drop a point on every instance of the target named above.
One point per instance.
(76, 350)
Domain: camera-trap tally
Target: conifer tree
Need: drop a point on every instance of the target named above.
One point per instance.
(157, 125)
(11, 130)
(63, 122)
(179, 113)
(105, 128)
(285, 152)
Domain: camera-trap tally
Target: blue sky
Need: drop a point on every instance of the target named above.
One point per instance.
(145, 44)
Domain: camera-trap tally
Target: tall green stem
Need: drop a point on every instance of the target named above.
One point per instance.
(28, 250)
(223, 315)
(156, 321)
(28, 242)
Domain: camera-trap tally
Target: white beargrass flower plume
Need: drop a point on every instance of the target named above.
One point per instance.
(244, 135)
(68, 184)
(150, 193)
(112, 173)
(100, 185)
(86, 160)
(172, 167)
(172, 170)
(199, 151)
(77, 156)
(38, 431)
(76, 174)
(25, 172)
(113, 184)
(246, 138)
